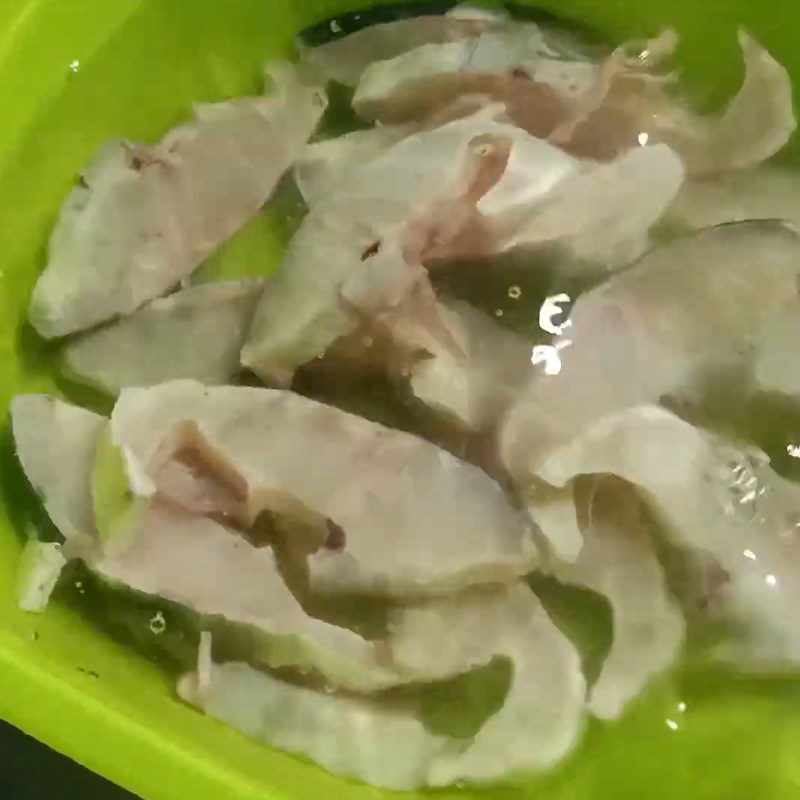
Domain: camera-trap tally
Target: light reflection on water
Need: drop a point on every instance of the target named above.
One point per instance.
(551, 308)
(547, 354)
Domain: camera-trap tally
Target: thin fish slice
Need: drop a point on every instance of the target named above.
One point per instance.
(542, 714)
(344, 60)
(413, 519)
(324, 168)
(56, 444)
(757, 123)
(555, 514)
(712, 497)
(765, 192)
(145, 218)
(685, 309)
(604, 213)
(38, 571)
(354, 737)
(633, 105)
(593, 109)
(196, 333)
(361, 251)
(777, 365)
(516, 64)
(214, 572)
(476, 384)
(618, 560)
(598, 215)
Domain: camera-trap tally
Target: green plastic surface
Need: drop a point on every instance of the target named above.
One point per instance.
(74, 73)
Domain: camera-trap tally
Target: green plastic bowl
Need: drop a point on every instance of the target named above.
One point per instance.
(74, 73)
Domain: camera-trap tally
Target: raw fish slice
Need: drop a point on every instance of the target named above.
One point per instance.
(214, 572)
(556, 516)
(515, 64)
(542, 714)
(301, 311)
(712, 497)
(362, 249)
(593, 109)
(414, 519)
(597, 214)
(766, 192)
(618, 560)
(145, 218)
(354, 737)
(777, 365)
(603, 214)
(345, 59)
(38, 571)
(195, 333)
(684, 309)
(325, 167)
(605, 117)
(56, 444)
(476, 383)
(757, 123)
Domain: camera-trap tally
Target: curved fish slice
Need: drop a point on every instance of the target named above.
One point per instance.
(714, 497)
(145, 218)
(196, 333)
(344, 60)
(414, 519)
(361, 251)
(517, 64)
(682, 310)
(542, 714)
(56, 444)
(555, 513)
(777, 365)
(633, 106)
(757, 123)
(594, 109)
(353, 737)
(765, 192)
(214, 572)
(618, 560)
(476, 384)
(604, 213)
(324, 168)
(38, 571)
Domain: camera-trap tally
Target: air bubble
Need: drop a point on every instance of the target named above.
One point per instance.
(158, 624)
(514, 292)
